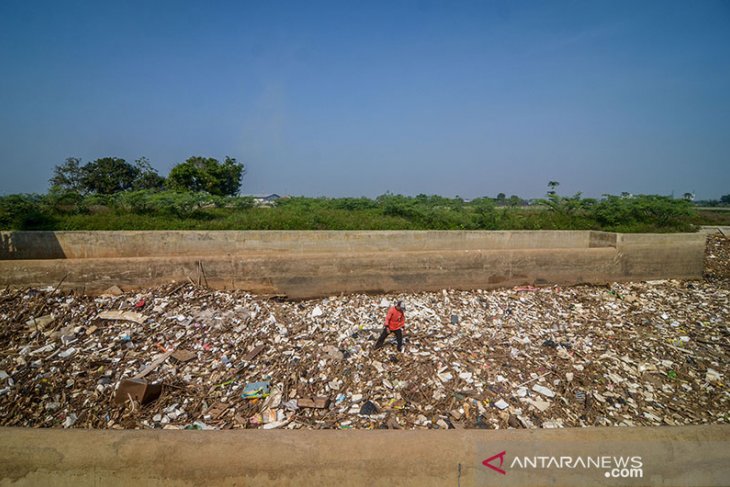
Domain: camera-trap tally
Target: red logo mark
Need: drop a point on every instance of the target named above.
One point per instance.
(487, 463)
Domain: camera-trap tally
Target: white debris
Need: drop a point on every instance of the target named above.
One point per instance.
(713, 376)
(67, 353)
(70, 420)
(543, 390)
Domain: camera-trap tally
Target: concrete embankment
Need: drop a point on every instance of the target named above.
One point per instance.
(310, 264)
(669, 456)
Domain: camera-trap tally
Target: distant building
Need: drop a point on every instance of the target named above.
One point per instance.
(266, 199)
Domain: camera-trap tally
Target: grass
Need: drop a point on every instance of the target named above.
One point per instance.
(334, 219)
(718, 217)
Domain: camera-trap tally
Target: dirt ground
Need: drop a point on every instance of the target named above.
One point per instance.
(645, 353)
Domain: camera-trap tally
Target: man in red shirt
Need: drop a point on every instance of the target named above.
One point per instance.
(395, 320)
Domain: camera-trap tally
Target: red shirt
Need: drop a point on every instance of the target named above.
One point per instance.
(395, 320)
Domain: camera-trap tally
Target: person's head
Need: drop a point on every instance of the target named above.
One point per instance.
(399, 306)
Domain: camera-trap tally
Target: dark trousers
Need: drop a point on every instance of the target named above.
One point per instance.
(386, 331)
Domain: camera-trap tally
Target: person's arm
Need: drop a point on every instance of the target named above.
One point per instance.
(388, 316)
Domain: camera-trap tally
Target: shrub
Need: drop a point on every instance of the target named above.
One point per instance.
(24, 212)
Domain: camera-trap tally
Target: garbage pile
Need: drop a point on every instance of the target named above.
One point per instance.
(187, 357)
(717, 257)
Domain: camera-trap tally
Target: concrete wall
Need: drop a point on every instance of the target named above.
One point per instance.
(670, 456)
(602, 239)
(674, 255)
(355, 261)
(102, 244)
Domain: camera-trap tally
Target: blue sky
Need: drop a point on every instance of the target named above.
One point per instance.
(357, 98)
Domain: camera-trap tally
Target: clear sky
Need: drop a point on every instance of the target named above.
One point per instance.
(355, 98)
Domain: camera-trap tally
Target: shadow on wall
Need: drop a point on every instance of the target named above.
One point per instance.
(30, 245)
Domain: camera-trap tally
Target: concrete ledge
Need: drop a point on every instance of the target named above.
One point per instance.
(680, 456)
(114, 244)
(709, 229)
(324, 274)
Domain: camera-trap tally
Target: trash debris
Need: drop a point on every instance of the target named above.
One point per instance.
(183, 355)
(138, 389)
(501, 404)
(369, 408)
(541, 405)
(254, 353)
(333, 352)
(543, 390)
(621, 354)
(113, 291)
(713, 376)
(70, 420)
(198, 425)
(39, 323)
(277, 424)
(315, 402)
(123, 316)
(67, 353)
(256, 390)
(153, 365)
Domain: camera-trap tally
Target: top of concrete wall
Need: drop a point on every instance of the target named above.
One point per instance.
(700, 455)
(107, 244)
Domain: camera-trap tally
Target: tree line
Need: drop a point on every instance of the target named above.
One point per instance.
(111, 175)
(202, 193)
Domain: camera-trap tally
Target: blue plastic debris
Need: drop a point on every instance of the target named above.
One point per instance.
(256, 390)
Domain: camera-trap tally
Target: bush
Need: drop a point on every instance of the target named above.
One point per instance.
(137, 202)
(399, 206)
(353, 204)
(146, 209)
(179, 204)
(238, 202)
(64, 202)
(24, 212)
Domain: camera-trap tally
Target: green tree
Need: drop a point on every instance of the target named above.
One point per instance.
(514, 200)
(109, 175)
(725, 199)
(147, 178)
(207, 174)
(68, 176)
(552, 185)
